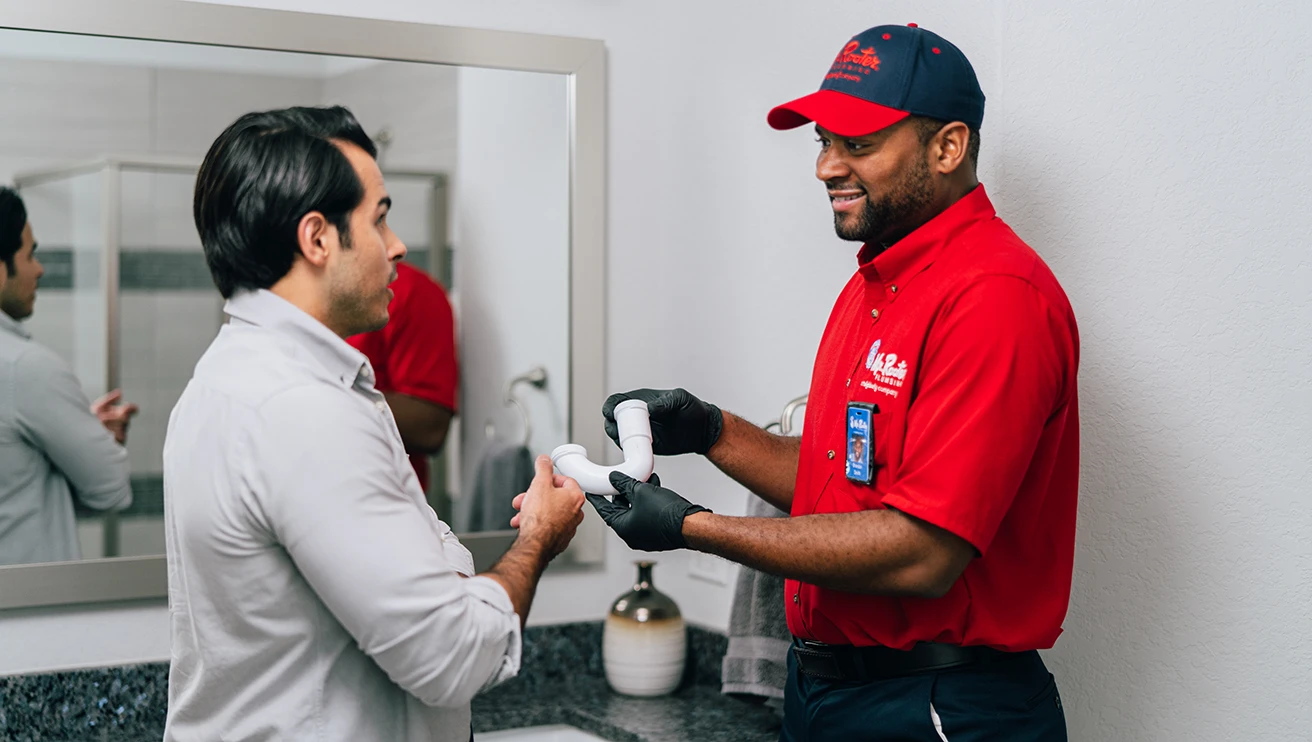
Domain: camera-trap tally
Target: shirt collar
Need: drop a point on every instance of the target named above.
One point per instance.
(914, 253)
(14, 326)
(263, 308)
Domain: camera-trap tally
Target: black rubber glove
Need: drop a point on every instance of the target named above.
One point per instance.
(647, 516)
(680, 423)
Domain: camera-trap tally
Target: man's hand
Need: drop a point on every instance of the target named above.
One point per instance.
(551, 511)
(680, 423)
(647, 516)
(114, 416)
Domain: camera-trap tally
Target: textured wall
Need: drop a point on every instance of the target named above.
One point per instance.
(1156, 154)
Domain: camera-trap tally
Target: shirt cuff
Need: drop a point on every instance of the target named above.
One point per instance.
(458, 556)
(490, 592)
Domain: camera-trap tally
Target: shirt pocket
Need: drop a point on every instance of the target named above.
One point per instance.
(879, 427)
(880, 443)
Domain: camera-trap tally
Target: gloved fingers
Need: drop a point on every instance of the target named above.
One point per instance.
(622, 482)
(605, 508)
(608, 407)
(666, 401)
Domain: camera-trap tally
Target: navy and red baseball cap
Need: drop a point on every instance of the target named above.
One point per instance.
(884, 75)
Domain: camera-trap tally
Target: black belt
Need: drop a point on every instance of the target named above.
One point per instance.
(864, 664)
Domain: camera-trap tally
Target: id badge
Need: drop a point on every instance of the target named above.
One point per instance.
(860, 441)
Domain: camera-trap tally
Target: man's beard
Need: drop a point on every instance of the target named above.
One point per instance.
(902, 202)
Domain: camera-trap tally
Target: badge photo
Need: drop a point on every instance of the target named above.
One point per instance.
(860, 442)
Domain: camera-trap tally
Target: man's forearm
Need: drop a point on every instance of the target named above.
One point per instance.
(757, 459)
(518, 572)
(423, 425)
(875, 551)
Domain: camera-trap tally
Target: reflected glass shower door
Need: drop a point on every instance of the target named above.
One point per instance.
(169, 313)
(70, 216)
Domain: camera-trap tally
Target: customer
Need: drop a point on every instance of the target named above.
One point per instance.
(55, 446)
(314, 593)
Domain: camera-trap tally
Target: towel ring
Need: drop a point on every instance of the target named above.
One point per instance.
(790, 409)
(537, 376)
(785, 421)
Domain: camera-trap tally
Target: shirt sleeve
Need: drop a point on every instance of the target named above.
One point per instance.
(55, 416)
(996, 367)
(375, 554)
(421, 346)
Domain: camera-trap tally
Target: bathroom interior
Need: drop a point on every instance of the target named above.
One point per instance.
(647, 229)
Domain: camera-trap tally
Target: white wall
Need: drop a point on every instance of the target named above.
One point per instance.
(1152, 152)
(510, 228)
(416, 103)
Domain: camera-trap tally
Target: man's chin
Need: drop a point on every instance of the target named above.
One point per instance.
(849, 232)
(18, 312)
(379, 322)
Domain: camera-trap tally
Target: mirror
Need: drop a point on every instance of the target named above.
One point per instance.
(486, 174)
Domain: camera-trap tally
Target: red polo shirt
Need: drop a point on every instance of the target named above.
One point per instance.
(415, 354)
(965, 341)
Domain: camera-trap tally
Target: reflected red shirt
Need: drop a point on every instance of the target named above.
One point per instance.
(415, 354)
(965, 341)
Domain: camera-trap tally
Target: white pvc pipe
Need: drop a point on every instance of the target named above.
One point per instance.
(634, 426)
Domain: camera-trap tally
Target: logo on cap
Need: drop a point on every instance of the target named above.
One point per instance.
(853, 61)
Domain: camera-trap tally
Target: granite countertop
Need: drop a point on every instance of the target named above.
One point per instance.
(695, 712)
(561, 682)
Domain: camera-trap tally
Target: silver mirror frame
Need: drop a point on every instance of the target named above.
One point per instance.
(582, 60)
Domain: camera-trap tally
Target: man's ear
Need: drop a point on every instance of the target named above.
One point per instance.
(949, 150)
(315, 235)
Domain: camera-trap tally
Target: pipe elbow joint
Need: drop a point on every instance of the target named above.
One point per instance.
(634, 425)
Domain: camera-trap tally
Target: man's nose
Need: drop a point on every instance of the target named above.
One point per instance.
(831, 166)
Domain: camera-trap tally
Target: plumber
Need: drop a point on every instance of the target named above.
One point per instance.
(924, 572)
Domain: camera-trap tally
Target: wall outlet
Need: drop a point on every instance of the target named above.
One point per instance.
(709, 568)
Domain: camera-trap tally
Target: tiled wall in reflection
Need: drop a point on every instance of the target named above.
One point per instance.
(169, 308)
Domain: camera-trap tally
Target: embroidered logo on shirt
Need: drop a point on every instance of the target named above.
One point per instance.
(874, 351)
(886, 370)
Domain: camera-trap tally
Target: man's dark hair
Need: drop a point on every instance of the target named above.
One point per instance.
(13, 217)
(260, 177)
(927, 127)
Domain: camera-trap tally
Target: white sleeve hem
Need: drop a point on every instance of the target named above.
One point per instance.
(491, 592)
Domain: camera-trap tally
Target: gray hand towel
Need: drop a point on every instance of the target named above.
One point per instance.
(756, 660)
(505, 470)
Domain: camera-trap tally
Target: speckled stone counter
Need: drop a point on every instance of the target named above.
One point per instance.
(561, 682)
(695, 713)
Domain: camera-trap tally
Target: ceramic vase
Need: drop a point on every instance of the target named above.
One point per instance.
(644, 642)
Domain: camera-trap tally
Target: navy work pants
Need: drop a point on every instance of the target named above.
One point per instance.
(1015, 700)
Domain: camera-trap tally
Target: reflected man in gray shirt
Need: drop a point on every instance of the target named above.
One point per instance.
(314, 593)
(55, 445)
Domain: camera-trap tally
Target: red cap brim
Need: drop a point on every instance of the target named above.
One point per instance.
(843, 114)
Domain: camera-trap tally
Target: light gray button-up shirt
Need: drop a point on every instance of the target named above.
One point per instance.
(52, 449)
(314, 593)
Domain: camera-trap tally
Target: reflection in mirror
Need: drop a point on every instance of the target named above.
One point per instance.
(104, 153)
